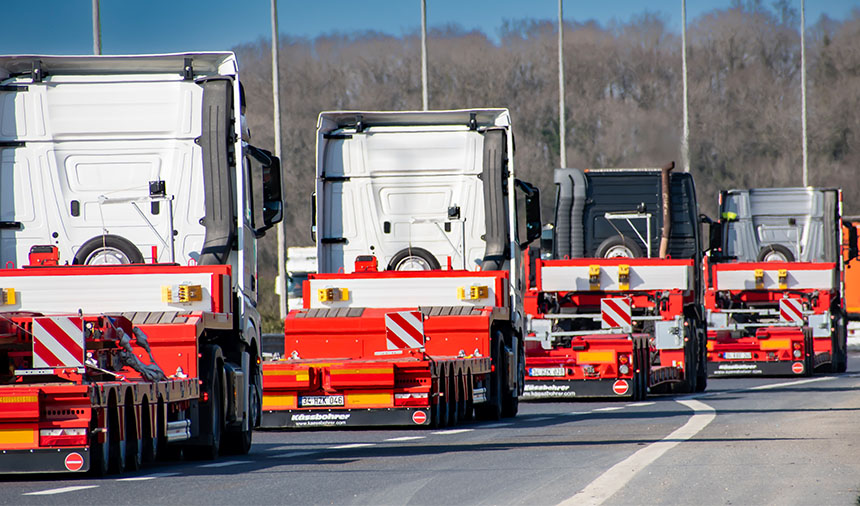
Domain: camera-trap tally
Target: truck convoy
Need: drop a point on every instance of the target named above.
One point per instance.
(416, 315)
(775, 282)
(617, 311)
(130, 206)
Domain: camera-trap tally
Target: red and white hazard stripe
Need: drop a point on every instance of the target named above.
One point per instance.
(615, 313)
(790, 310)
(404, 330)
(58, 342)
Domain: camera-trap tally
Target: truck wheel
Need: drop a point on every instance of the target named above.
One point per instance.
(133, 443)
(108, 250)
(100, 457)
(492, 409)
(839, 345)
(809, 359)
(413, 259)
(116, 457)
(511, 404)
(211, 412)
(775, 253)
(453, 400)
(468, 387)
(702, 365)
(239, 443)
(149, 443)
(619, 246)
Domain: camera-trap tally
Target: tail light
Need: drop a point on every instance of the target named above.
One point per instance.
(63, 437)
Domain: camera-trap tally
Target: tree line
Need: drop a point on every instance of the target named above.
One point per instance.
(623, 98)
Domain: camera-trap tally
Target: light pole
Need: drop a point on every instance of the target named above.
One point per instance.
(97, 30)
(562, 149)
(685, 141)
(276, 112)
(424, 54)
(803, 89)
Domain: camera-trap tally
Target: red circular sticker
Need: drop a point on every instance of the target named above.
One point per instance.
(74, 461)
(419, 417)
(797, 367)
(620, 387)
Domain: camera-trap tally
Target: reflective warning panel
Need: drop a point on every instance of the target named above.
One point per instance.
(58, 341)
(404, 330)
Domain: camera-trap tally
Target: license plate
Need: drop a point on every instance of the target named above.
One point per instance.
(320, 400)
(738, 355)
(546, 371)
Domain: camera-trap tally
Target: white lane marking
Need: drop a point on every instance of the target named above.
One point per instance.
(640, 404)
(617, 476)
(227, 463)
(290, 455)
(495, 425)
(61, 490)
(611, 408)
(405, 438)
(539, 419)
(279, 448)
(352, 445)
(761, 387)
(148, 477)
(792, 383)
(580, 412)
(452, 431)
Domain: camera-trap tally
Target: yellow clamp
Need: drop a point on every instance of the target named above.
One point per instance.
(181, 293)
(473, 293)
(332, 294)
(594, 277)
(759, 279)
(624, 277)
(783, 279)
(7, 296)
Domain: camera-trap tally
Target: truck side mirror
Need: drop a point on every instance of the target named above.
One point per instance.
(267, 200)
(715, 235)
(532, 205)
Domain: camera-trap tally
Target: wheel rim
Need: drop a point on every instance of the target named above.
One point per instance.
(774, 256)
(413, 263)
(107, 256)
(618, 251)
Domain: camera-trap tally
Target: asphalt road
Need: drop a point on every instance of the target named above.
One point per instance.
(744, 441)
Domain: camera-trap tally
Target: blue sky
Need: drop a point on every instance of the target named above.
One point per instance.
(152, 26)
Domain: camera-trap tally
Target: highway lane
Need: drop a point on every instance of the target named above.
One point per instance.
(792, 444)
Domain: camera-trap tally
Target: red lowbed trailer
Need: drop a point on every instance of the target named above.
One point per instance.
(387, 336)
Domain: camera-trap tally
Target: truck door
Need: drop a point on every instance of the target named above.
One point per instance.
(22, 196)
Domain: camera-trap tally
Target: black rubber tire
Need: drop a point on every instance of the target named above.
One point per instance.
(100, 456)
(809, 359)
(116, 451)
(133, 447)
(127, 253)
(492, 409)
(212, 411)
(453, 397)
(150, 443)
(239, 442)
(511, 401)
(470, 406)
(702, 366)
(617, 244)
(413, 254)
(839, 345)
(775, 249)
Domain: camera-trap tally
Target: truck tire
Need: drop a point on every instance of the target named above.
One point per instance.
(619, 246)
(775, 253)
(239, 442)
(108, 250)
(453, 398)
(839, 345)
(100, 457)
(212, 411)
(702, 365)
(116, 451)
(413, 259)
(133, 443)
(511, 401)
(492, 409)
